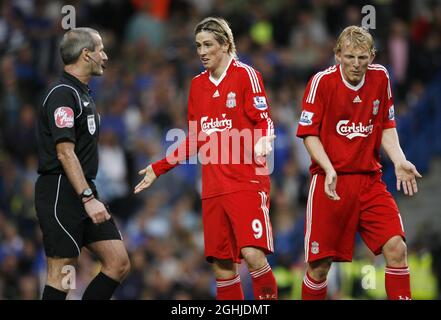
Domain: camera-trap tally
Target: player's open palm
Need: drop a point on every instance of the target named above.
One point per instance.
(148, 179)
(407, 173)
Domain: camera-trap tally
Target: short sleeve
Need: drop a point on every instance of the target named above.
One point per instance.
(389, 109)
(312, 108)
(256, 104)
(61, 107)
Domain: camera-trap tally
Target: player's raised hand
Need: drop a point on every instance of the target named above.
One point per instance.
(148, 179)
(331, 185)
(406, 174)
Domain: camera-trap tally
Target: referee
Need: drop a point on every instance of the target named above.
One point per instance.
(69, 212)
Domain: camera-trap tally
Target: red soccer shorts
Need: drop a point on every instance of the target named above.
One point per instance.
(365, 206)
(236, 220)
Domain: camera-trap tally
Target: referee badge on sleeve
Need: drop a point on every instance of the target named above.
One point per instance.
(91, 124)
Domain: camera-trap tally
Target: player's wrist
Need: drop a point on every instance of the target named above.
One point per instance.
(329, 169)
(399, 162)
(155, 170)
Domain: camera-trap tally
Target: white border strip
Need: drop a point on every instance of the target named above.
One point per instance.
(309, 216)
(56, 217)
(253, 77)
(226, 283)
(65, 85)
(315, 82)
(265, 210)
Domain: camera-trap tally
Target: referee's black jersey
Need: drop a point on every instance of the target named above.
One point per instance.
(68, 113)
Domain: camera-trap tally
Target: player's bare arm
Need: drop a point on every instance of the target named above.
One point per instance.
(405, 171)
(318, 153)
(71, 165)
(148, 179)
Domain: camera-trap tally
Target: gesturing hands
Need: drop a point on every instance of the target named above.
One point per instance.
(148, 179)
(406, 175)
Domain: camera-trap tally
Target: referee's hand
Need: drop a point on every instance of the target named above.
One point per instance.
(96, 211)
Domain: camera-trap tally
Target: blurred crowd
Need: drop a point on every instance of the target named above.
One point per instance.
(142, 94)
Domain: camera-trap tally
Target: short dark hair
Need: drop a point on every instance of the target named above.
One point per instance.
(74, 41)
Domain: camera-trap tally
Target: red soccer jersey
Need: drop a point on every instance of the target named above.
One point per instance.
(233, 105)
(349, 120)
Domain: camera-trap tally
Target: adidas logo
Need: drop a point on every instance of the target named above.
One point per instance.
(356, 99)
(216, 94)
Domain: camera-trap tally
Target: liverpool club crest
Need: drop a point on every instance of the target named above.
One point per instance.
(375, 106)
(231, 100)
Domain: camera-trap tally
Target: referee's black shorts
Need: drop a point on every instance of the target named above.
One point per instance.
(65, 225)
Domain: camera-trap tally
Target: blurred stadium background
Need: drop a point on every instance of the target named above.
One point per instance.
(143, 93)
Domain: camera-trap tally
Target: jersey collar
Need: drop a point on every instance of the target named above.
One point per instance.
(350, 86)
(218, 81)
(76, 82)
